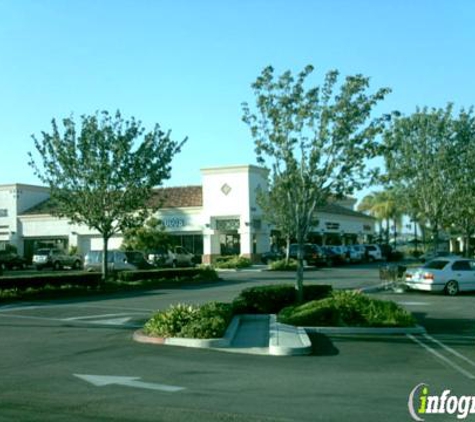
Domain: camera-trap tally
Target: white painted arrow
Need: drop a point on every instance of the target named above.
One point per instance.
(102, 380)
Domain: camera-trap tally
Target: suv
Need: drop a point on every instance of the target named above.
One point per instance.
(373, 253)
(55, 259)
(176, 256)
(116, 261)
(311, 253)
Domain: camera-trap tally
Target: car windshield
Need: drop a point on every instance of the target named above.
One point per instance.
(436, 264)
(42, 252)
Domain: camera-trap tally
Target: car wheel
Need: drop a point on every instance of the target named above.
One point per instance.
(452, 288)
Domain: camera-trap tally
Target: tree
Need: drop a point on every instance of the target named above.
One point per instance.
(385, 206)
(460, 193)
(280, 217)
(418, 161)
(102, 173)
(151, 236)
(317, 141)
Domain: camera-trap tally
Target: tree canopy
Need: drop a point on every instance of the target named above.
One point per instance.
(101, 172)
(315, 140)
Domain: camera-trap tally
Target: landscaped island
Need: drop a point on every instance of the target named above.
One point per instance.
(321, 307)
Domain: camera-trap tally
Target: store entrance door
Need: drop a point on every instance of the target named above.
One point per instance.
(230, 243)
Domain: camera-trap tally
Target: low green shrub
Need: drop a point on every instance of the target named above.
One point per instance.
(347, 308)
(38, 281)
(231, 262)
(271, 299)
(200, 273)
(207, 321)
(283, 265)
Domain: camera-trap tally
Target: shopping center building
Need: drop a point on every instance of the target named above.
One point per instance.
(219, 217)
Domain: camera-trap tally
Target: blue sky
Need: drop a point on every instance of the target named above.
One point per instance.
(188, 65)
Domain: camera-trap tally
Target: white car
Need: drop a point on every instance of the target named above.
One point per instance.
(450, 275)
(373, 253)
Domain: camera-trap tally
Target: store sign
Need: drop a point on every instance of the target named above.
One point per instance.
(231, 224)
(332, 226)
(174, 222)
(3, 212)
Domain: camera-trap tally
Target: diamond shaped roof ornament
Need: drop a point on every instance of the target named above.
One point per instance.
(226, 189)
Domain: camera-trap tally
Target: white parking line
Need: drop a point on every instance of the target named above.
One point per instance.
(85, 317)
(450, 350)
(441, 357)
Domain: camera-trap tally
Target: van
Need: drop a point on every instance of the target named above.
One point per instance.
(116, 261)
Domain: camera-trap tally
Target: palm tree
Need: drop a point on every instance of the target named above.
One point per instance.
(385, 206)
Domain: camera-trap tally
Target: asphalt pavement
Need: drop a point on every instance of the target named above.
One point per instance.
(75, 360)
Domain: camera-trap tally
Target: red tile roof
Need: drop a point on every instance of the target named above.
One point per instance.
(174, 197)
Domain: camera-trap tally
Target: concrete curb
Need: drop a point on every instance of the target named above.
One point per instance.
(298, 345)
(418, 329)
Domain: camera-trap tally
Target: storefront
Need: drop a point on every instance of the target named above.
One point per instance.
(219, 217)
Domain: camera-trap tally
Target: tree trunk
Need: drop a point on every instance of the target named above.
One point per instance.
(299, 281)
(287, 250)
(105, 253)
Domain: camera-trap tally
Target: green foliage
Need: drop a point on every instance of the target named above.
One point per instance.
(39, 281)
(283, 265)
(205, 273)
(102, 173)
(151, 236)
(347, 308)
(316, 139)
(271, 299)
(208, 321)
(418, 157)
(230, 262)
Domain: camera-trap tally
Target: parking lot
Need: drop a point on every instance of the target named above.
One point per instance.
(75, 359)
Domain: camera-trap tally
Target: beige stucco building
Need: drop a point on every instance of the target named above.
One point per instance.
(219, 217)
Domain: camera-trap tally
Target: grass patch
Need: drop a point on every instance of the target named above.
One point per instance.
(347, 309)
(283, 265)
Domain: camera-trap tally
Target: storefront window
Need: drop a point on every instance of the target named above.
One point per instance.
(230, 244)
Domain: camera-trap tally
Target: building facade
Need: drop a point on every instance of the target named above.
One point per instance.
(219, 217)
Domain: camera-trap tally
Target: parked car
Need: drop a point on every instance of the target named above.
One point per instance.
(431, 254)
(11, 261)
(116, 261)
(341, 255)
(56, 259)
(373, 253)
(313, 254)
(270, 256)
(176, 256)
(450, 275)
(356, 253)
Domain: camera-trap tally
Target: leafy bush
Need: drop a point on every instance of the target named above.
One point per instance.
(230, 262)
(271, 299)
(347, 308)
(206, 273)
(37, 281)
(211, 321)
(169, 323)
(207, 321)
(283, 265)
